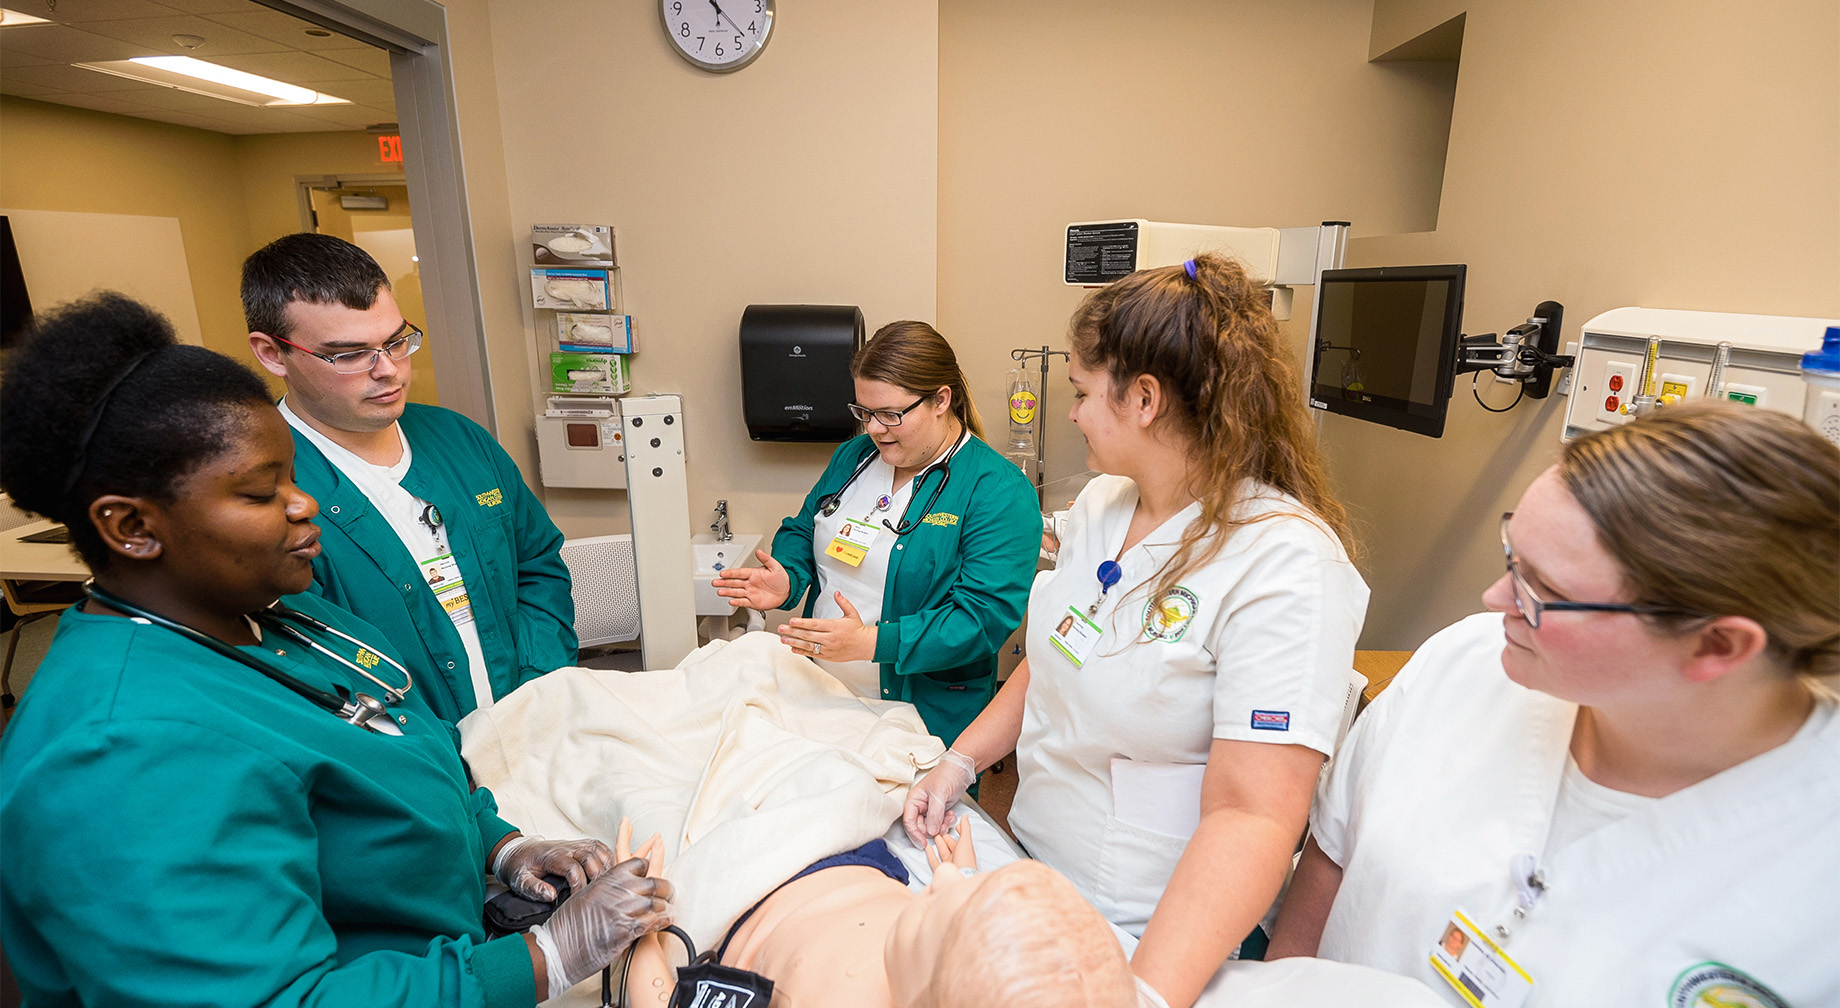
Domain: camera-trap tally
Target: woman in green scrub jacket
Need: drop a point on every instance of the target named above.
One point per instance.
(193, 807)
(914, 552)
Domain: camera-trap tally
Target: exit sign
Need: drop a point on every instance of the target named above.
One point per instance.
(389, 149)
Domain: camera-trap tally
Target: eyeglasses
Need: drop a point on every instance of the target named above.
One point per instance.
(1531, 605)
(885, 417)
(401, 343)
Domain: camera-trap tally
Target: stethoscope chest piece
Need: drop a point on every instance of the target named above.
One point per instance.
(362, 708)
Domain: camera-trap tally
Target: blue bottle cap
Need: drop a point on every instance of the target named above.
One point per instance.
(1828, 357)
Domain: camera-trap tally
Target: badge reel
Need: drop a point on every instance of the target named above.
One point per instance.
(1077, 634)
(1474, 964)
(853, 542)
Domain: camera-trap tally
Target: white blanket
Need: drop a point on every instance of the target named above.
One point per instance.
(751, 761)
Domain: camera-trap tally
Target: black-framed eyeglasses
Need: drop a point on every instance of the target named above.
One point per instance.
(401, 343)
(886, 417)
(1531, 605)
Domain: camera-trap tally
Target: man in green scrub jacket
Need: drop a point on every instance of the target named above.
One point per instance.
(429, 529)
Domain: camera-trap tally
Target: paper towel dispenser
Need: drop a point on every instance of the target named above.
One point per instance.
(795, 371)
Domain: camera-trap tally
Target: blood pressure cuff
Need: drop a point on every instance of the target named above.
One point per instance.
(713, 985)
(509, 913)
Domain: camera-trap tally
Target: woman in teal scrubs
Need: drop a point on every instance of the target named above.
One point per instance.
(915, 551)
(181, 827)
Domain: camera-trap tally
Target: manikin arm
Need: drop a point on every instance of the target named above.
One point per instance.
(653, 975)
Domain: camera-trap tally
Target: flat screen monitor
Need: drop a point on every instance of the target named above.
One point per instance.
(1385, 347)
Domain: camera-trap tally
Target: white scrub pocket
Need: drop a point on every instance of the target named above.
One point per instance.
(1136, 864)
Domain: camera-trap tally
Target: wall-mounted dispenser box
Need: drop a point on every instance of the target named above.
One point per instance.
(580, 444)
(795, 371)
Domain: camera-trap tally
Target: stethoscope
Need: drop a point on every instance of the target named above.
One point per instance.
(830, 502)
(357, 710)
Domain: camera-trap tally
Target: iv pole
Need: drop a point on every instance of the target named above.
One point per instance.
(1021, 354)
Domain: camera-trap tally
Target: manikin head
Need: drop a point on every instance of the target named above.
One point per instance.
(1020, 936)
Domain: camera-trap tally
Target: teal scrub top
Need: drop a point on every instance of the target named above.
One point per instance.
(957, 584)
(181, 829)
(508, 549)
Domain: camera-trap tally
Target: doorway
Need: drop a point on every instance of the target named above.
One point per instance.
(373, 212)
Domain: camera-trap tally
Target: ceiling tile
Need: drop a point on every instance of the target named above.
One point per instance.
(272, 24)
(23, 89)
(208, 6)
(157, 33)
(301, 68)
(64, 77)
(64, 44)
(374, 61)
(100, 103)
(82, 12)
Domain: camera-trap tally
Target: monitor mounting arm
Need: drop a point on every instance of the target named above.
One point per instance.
(1524, 354)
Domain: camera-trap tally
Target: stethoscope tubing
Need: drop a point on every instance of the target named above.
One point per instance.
(828, 504)
(357, 711)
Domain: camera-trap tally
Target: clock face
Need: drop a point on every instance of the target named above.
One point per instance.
(717, 35)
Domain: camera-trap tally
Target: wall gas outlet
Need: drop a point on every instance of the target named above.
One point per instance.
(1677, 385)
(1750, 395)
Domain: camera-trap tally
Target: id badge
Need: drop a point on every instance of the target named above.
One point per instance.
(1075, 636)
(853, 541)
(443, 576)
(1476, 968)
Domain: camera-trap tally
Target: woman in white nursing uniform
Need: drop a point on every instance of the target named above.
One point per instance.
(1645, 808)
(1169, 739)
(913, 552)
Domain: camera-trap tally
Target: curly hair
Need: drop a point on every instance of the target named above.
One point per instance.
(1211, 341)
(1718, 508)
(309, 267)
(103, 399)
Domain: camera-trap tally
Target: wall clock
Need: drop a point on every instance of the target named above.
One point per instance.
(719, 36)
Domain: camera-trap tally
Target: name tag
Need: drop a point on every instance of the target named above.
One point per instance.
(852, 542)
(1075, 636)
(1477, 969)
(443, 576)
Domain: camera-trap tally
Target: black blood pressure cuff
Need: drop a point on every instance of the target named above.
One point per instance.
(712, 985)
(509, 913)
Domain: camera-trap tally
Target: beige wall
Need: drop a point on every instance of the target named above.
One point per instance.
(808, 177)
(55, 157)
(231, 194)
(1657, 153)
(1205, 112)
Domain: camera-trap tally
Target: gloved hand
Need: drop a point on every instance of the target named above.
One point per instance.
(928, 812)
(523, 861)
(597, 923)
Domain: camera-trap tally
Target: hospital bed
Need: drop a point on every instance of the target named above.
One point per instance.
(751, 763)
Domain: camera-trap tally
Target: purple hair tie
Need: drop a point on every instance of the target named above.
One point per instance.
(1189, 267)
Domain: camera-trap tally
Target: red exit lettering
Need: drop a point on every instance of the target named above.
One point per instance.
(389, 149)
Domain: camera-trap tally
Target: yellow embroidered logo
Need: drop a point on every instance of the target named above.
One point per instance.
(939, 518)
(367, 659)
(491, 498)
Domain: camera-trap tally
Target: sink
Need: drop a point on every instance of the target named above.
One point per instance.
(710, 557)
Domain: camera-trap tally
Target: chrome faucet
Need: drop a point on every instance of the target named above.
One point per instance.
(720, 525)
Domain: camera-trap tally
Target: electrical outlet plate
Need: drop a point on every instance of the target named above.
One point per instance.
(1564, 385)
(1618, 386)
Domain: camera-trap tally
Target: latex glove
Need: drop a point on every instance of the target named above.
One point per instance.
(928, 812)
(596, 924)
(1147, 996)
(523, 861)
(765, 587)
